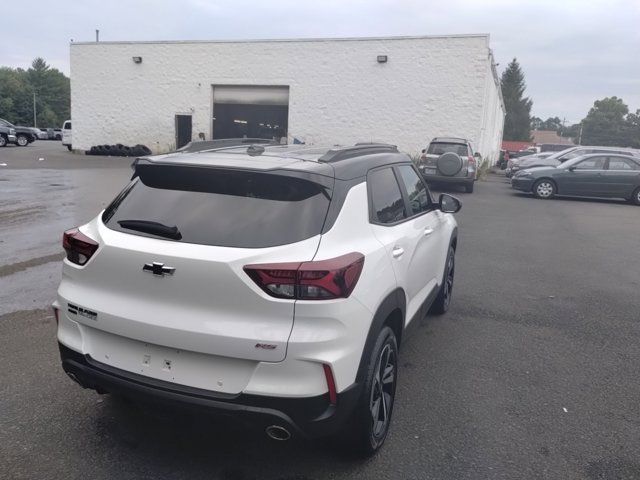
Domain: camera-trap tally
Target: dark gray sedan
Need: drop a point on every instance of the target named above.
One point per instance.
(595, 175)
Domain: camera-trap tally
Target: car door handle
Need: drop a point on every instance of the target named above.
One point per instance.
(428, 231)
(397, 252)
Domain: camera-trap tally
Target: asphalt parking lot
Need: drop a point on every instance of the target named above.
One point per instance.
(532, 374)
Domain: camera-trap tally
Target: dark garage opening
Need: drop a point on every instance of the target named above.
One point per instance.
(250, 111)
(252, 121)
(183, 130)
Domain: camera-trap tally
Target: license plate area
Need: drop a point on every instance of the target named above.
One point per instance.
(193, 369)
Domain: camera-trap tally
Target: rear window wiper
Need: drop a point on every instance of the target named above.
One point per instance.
(154, 228)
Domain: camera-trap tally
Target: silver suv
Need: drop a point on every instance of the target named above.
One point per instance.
(449, 160)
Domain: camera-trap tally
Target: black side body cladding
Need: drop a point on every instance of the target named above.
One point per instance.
(394, 301)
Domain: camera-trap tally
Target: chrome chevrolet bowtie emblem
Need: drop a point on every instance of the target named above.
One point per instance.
(158, 269)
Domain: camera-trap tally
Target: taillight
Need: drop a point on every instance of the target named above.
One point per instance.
(321, 280)
(78, 246)
(472, 160)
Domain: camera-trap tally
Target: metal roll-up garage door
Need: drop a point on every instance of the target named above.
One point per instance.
(251, 95)
(251, 111)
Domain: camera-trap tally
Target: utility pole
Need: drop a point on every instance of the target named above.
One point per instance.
(97, 35)
(35, 120)
(580, 136)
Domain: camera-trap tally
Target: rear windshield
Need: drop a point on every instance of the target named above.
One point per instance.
(228, 208)
(438, 148)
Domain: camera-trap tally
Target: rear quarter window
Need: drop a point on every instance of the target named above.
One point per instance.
(229, 208)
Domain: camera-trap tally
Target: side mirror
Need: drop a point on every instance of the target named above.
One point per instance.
(424, 150)
(572, 168)
(477, 155)
(448, 203)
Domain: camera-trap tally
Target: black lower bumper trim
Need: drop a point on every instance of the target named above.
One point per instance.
(308, 417)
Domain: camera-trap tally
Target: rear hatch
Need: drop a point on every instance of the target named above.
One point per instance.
(169, 268)
(437, 149)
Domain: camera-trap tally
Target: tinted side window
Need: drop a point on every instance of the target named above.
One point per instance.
(416, 190)
(386, 200)
(617, 163)
(593, 163)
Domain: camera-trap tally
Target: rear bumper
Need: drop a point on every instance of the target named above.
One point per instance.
(448, 180)
(308, 417)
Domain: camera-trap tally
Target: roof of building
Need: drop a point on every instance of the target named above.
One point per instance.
(541, 137)
(515, 146)
(280, 40)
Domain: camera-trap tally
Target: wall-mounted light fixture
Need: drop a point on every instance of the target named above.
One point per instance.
(137, 59)
(382, 59)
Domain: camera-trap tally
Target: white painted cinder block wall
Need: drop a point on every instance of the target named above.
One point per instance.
(339, 93)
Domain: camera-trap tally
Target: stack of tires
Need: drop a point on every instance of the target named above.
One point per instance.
(119, 150)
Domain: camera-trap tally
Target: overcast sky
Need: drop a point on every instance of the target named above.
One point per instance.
(572, 51)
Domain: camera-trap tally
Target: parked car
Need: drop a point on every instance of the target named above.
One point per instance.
(163, 298)
(568, 154)
(553, 147)
(24, 135)
(66, 134)
(592, 175)
(52, 133)
(449, 160)
(7, 135)
(503, 160)
(538, 160)
(39, 133)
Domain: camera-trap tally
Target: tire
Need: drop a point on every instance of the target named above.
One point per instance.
(69, 147)
(22, 141)
(469, 187)
(367, 429)
(3, 141)
(443, 300)
(544, 189)
(144, 150)
(635, 198)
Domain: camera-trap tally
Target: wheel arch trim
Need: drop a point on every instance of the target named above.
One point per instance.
(395, 301)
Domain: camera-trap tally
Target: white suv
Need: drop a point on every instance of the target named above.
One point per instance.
(270, 281)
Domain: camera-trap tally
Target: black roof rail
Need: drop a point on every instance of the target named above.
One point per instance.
(342, 153)
(203, 145)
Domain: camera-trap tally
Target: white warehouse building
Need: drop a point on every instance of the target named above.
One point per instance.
(398, 90)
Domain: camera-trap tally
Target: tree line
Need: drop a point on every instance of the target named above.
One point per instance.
(609, 122)
(52, 95)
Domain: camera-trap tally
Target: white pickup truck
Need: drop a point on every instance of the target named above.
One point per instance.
(66, 134)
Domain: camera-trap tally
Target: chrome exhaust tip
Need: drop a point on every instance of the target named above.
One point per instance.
(276, 432)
